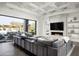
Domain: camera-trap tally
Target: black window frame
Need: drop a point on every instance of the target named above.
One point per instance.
(23, 19)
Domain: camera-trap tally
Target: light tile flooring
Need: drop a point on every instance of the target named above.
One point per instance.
(8, 49)
(75, 52)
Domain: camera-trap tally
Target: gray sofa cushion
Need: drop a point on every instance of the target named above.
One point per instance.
(58, 43)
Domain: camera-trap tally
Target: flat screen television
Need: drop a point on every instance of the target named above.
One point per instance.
(57, 26)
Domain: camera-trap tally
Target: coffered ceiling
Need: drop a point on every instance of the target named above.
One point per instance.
(40, 8)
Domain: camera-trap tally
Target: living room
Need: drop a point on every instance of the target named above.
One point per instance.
(39, 28)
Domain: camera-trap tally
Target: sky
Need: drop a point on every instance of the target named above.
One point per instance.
(7, 20)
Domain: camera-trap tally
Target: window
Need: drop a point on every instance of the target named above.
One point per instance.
(32, 27)
(9, 24)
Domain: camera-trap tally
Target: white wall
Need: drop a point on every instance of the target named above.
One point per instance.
(44, 24)
(76, 25)
(52, 19)
(40, 25)
(17, 13)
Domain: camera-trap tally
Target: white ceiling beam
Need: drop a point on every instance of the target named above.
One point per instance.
(21, 9)
(54, 5)
(64, 12)
(58, 7)
(46, 4)
(38, 8)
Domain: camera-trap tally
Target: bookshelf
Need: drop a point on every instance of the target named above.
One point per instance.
(73, 28)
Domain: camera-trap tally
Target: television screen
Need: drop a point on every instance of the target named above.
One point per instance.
(57, 26)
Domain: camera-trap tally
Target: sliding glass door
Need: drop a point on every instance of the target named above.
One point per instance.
(30, 26)
(9, 24)
(15, 24)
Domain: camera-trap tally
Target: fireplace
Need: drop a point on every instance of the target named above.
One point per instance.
(57, 33)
